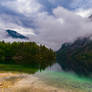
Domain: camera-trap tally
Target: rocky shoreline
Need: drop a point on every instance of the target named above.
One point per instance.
(12, 82)
(16, 82)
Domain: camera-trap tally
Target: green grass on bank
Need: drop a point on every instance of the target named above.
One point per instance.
(17, 68)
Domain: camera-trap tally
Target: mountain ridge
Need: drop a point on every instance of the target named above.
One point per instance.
(76, 56)
(15, 34)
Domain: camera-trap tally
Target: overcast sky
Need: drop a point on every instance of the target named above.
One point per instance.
(49, 22)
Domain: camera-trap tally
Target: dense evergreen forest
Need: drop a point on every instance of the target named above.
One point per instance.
(26, 53)
(76, 56)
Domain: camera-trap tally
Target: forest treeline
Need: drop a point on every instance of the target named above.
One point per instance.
(76, 56)
(26, 53)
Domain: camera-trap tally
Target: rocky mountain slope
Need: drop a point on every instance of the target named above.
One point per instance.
(15, 34)
(76, 56)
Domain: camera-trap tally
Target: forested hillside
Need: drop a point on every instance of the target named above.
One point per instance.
(26, 53)
(76, 56)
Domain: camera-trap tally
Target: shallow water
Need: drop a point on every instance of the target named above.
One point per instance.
(66, 80)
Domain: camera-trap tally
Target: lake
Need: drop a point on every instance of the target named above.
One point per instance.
(52, 79)
(56, 77)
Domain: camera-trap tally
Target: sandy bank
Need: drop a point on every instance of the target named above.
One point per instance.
(34, 84)
(13, 82)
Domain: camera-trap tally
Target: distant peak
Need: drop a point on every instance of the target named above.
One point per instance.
(15, 34)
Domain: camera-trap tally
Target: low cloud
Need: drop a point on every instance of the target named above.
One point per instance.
(53, 33)
(26, 7)
(30, 18)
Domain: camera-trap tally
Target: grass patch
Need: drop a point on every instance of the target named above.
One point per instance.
(17, 68)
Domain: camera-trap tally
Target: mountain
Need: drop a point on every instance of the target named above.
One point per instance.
(90, 17)
(15, 34)
(76, 56)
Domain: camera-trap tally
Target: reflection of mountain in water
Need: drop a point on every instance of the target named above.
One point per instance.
(76, 56)
(55, 67)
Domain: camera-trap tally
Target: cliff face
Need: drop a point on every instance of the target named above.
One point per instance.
(76, 56)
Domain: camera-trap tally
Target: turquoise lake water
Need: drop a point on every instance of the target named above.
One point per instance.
(66, 80)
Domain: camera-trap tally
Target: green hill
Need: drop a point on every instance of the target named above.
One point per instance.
(26, 54)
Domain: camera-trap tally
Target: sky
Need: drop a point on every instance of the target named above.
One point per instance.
(48, 22)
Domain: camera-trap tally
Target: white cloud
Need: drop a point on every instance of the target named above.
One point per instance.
(52, 30)
(53, 33)
(25, 7)
(7, 22)
(60, 20)
(84, 13)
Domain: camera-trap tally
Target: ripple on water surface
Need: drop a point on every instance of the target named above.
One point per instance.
(65, 80)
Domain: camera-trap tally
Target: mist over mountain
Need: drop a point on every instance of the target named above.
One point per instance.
(76, 56)
(15, 34)
(48, 22)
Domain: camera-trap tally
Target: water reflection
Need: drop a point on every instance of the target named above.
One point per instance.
(56, 77)
(55, 67)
